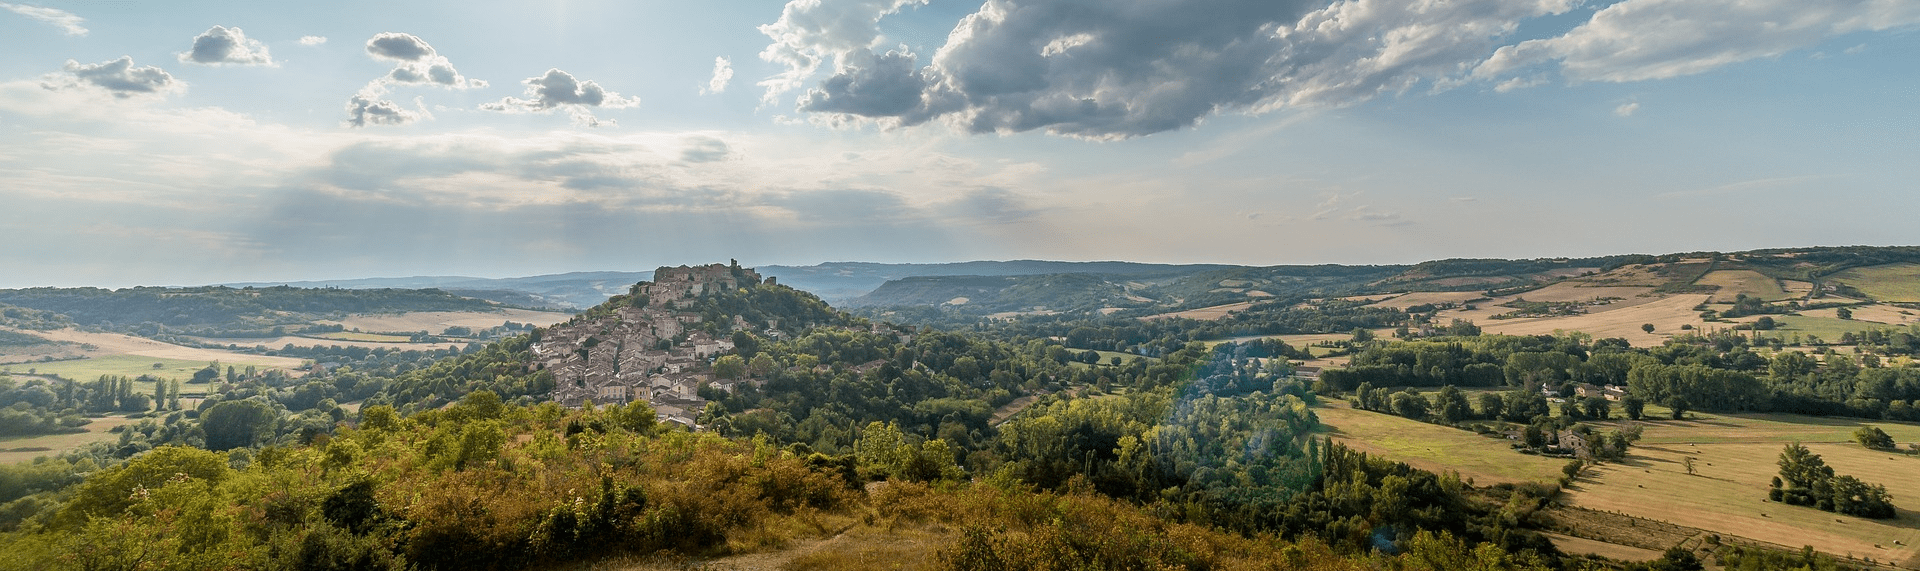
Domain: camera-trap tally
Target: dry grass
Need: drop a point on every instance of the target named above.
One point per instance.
(1732, 283)
(437, 321)
(1876, 313)
(1579, 546)
(1735, 457)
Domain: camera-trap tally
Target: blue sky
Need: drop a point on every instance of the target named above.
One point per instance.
(184, 143)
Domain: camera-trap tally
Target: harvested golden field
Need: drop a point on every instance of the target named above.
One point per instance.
(1576, 291)
(436, 321)
(278, 342)
(1621, 319)
(107, 344)
(1733, 283)
(1735, 457)
(1404, 301)
(1205, 313)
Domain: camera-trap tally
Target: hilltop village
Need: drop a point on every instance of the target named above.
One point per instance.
(652, 349)
(657, 347)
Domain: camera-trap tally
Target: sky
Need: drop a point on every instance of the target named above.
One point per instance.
(177, 143)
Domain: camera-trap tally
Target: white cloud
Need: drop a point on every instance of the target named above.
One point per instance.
(1627, 109)
(722, 76)
(560, 90)
(226, 46)
(117, 77)
(416, 63)
(312, 40)
(62, 19)
(811, 31)
(1639, 40)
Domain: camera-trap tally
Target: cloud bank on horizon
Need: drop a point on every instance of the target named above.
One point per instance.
(931, 130)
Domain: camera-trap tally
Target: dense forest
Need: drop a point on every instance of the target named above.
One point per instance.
(215, 311)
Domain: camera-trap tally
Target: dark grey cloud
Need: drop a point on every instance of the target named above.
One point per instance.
(118, 77)
(872, 85)
(221, 45)
(1124, 68)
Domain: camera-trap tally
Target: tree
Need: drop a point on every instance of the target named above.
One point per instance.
(729, 367)
(1679, 406)
(1362, 335)
(1873, 437)
(1597, 407)
(1410, 404)
(1491, 405)
(1534, 436)
(1677, 559)
(1647, 327)
(237, 424)
(1452, 405)
(1633, 406)
(1689, 463)
(1843, 313)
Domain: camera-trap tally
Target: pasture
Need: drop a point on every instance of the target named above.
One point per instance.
(1433, 447)
(1735, 457)
(1733, 283)
(84, 370)
(15, 449)
(1889, 282)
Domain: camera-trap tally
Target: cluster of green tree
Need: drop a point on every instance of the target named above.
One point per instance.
(1541, 428)
(484, 485)
(1523, 308)
(502, 367)
(33, 319)
(1806, 480)
(1741, 558)
(14, 339)
(1873, 437)
(1884, 340)
(1717, 371)
(1744, 306)
(223, 311)
(1161, 336)
(1483, 361)
(821, 387)
(39, 406)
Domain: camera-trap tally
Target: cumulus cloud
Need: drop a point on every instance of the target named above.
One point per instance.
(415, 63)
(221, 45)
(118, 77)
(365, 109)
(722, 76)
(1638, 40)
(560, 90)
(811, 31)
(312, 40)
(62, 19)
(1626, 109)
(1135, 67)
(1124, 68)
